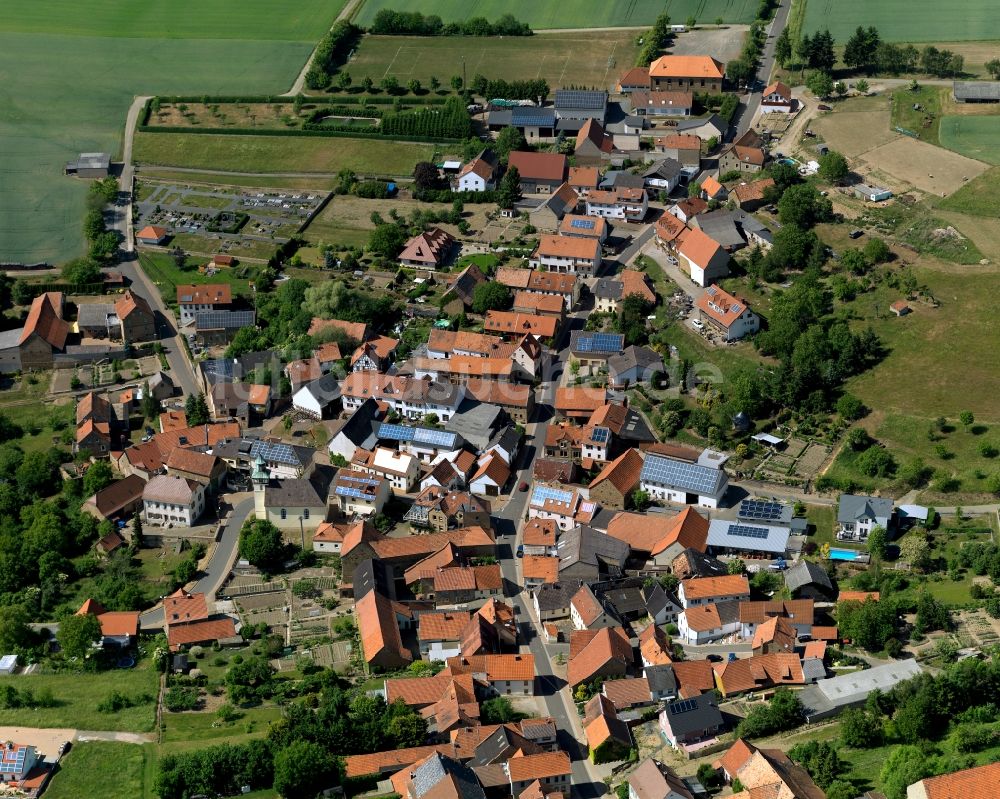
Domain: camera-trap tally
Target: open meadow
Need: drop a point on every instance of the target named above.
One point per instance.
(906, 20)
(973, 136)
(294, 154)
(71, 71)
(574, 13)
(102, 768)
(582, 59)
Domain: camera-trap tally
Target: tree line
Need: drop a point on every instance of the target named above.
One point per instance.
(866, 52)
(332, 51)
(452, 121)
(388, 22)
(493, 88)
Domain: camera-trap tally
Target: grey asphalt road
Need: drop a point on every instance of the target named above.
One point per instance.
(219, 565)
(748, 109)
(553, 691)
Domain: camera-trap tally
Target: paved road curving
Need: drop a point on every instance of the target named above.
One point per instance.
(219, 565)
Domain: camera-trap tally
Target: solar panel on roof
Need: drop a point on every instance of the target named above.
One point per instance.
(273, 453)
(746, 531)
(576, 98)
(684, 706)
(600, 342)
(544, 493)
(395, 432)
(680, 474)
(223, 320)
(600, 435)
(439, 438)
(760, 509)
(584, 224)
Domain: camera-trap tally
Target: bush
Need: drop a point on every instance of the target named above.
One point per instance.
(179, 698)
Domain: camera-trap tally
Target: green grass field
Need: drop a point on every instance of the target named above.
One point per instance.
(163, 271)
(581, 59)
(279, 154)
(101, 768)
(906, 20)
(973, 136)
(978, 197)
(71, 70)
(77, 697)
(574, 13)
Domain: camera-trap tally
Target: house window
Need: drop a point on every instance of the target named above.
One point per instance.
(305, 513)
(284, 513)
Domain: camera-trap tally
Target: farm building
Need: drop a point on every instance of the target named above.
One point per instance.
(90, 165)
(696, 72)
(871, 193)
(976, 91)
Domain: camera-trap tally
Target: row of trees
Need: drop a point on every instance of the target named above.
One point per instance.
(332, 51)
(655, 41)
(388, 22)
(451, 122)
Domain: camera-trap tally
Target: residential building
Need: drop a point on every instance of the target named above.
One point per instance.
(547, 215)
(517, 401)
(172, 501)
(978, 782)
(428, 250)
(699, 591)
(319, 399)
(358, 493)
(192, 300)
(296, 503)
(728, 315)
(200, 467)
(776, 99)
(630, 205)
(381, 643)
(479, 174)
(702, 258)
(400, 469)
(461, 291)
(358, 431)
(745, 154)
(685, 148)
(634, 365)
(698, 73)
(505, 675)
(656, 780)
(539, 305)
(514, 326)
(584, 227)
(598, 653)
(17, 762)
(566, 507)
(439, 509)
(552, 770)
(664, 175)
(120, 500)
(566, 286)
(409, 397)
(586, 554)
(674, 478)
(579, 402)
(711, 189)
(540, 173)
(583, 179)
(568, 255)
(695, 720)
(592, 350)
(44, 333)
(858, 515)
(375, 355)
(659, 536)
(608, 737)
(751, 196)
(593, 144)
(702, 624)
(686, 210)
(662, 103)
(329, 537)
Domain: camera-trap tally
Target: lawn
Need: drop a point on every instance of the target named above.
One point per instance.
(163, 271)
(574, 13)
(43, 421)
(906, 20)
(925, 121)
(101, 768)
(973, 136)
(77, 697)
(280, 154)
(586, 59)
(108, 52)
(978, 197)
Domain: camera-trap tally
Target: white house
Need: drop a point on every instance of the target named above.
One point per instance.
(726, 314)
(622, 203)
(479, 174)
(16, 761)
(492, 474)
(858, 515)
(172, 500)
(329, 537)
(701, 591)
(400, 469)
(706, 623)
(568, 255)
(192, 300)
(319, 397)
(703, 258)
(777, 99)
(701, 482)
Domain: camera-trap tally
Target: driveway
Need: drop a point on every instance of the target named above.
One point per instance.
(219, 565)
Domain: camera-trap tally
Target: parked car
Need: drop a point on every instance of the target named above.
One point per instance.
(698, 324)
(520, 550)
(523, 486)
(824, 107)
(856, 234)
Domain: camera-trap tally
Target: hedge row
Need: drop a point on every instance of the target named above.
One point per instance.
(332, 51)
(354, 133)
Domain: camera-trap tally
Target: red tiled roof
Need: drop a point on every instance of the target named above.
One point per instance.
(45, 321)
(429, 247)
(538, 166)
(181, 607)
(981, 782)
(207, 294)
(591, 652)
(378, 628)
(622, 473)
(686, 66)
(627, 693)
(541, 567)
(197, 632)
(710, 587)
(530, 767)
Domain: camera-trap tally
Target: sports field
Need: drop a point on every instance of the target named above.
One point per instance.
(906, 20)
(574, 13)
(71, 71)
(975, 136)
(581, 59)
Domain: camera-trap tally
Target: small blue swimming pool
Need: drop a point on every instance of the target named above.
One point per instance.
(787, 161)
(844, 554)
